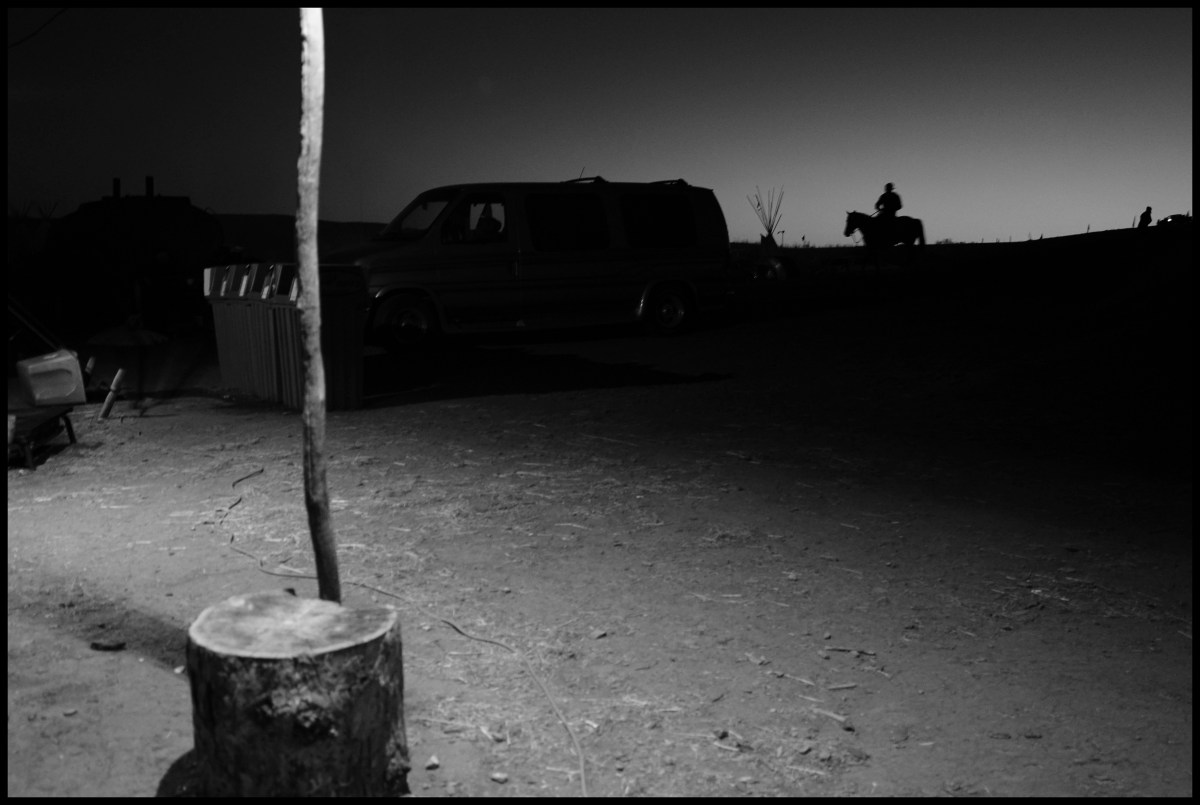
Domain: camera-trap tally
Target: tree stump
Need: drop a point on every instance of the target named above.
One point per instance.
(297, 697)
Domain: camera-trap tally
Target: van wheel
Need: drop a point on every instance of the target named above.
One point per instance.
(669, 311)
(405, 321)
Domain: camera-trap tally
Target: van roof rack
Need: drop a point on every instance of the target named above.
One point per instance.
(601, 179)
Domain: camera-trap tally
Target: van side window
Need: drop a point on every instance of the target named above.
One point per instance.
(567, 222)
(658, 221)
(476, 219)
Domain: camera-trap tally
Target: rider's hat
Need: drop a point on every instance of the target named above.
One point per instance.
(888, 186)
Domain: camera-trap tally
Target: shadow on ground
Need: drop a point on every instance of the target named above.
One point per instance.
(462, 370)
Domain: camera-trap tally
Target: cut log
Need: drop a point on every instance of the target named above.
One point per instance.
(297, 697)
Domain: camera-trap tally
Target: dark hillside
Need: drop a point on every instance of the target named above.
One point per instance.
(272, 238)
(1082, 343)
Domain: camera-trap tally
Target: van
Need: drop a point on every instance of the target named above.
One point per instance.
(497, 257)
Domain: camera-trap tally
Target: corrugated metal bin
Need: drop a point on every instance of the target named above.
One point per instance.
(241, 320)
(343, 318)
(344, 303)
(285, 320)
(222, 295)
(260, 332)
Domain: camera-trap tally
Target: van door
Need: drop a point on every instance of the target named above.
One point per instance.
(476, 267)
(571, 274)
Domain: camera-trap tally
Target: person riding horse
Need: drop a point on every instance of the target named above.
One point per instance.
(886, 208)
(901, 230)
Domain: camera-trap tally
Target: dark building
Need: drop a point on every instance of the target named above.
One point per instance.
(135, 259)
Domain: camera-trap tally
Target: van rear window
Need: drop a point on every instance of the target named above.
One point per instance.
(658, 221)
(566, 222)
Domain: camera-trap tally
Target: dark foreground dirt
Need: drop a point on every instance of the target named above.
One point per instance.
(932, 545)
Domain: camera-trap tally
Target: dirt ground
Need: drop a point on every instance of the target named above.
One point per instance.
(938, 548)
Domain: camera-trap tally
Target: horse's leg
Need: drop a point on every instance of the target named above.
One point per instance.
(870, 256)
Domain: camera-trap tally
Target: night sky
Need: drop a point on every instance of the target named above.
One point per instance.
(993, 124)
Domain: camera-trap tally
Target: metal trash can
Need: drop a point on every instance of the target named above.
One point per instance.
(343, 318)
(245, 348)
(344, 303)
(262, 361)
(285, 323)
(223, 283)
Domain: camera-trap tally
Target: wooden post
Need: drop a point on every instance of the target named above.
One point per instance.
(113, 388)
(316, 493)
(297, 697)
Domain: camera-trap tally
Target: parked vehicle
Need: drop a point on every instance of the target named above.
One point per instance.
(1175, 220)
(485, 258)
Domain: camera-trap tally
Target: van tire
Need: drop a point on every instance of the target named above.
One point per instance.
(405, 321)
(669, 310)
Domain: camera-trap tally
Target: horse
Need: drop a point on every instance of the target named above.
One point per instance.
(905, 231)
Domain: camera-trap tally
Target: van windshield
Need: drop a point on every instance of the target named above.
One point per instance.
(417, 217)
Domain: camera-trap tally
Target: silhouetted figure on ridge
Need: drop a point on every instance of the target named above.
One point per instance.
(1144, 221)
(886, 208)
(889, 203)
